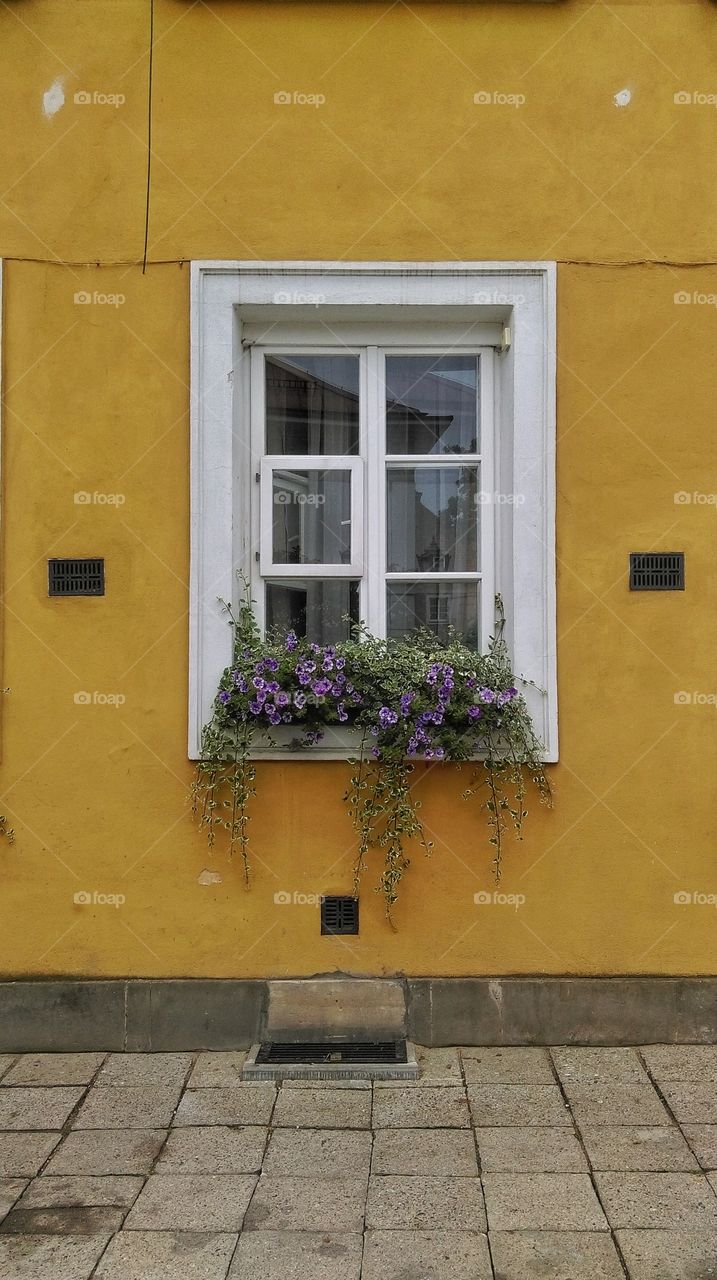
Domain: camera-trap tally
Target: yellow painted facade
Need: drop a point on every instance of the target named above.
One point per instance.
(398, 163)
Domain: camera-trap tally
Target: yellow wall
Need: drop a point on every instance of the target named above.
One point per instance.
(398, 164)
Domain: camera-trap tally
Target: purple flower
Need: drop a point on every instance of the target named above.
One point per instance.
(341, 712)
(291, 641)
(258, 683)
(281, 699)
(299, 700)
(387, 717)
(327, 664)
(486, 695)
(474, 713)
(321, 687)
(271, 664)
(240, 681)
(256, 707)
(406, 700)
(224, 696)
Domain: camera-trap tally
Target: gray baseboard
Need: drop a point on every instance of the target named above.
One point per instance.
(142, 1015)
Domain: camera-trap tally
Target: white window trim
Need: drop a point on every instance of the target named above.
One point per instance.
(520, 295)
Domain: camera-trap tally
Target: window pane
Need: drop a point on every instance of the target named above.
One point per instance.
(311, 517)
(432, 404)
(312, 404)
(312, 608)
(435, 605)
(432, 519)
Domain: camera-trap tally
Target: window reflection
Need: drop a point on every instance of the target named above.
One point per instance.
(431, 404)
(312, 404)
(314, 608)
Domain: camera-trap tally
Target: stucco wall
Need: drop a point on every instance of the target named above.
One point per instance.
(397, 163)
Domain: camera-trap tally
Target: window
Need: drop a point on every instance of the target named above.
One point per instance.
(374, 441)
(407, 549)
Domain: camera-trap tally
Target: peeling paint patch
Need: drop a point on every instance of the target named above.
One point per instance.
(209, 877)
(623, 98)
(53, 100)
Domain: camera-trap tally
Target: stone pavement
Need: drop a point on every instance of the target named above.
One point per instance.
(513, 1164)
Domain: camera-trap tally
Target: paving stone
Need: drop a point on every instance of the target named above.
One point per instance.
(424, 1151)
(701, 1137)
(323, 1108)
(167, 1255)
(516, 1104)
(142, 1107)
(49, 1257)
(215, 1149)
(438, 1108)
(685, 1062)
(294, 1255)
(436, 1066)
(243, 1104)
(555, 1255)
(530, 1150)
(54, 1068)
(196, 1202)
(670, 1201)
(78, 1220)
(131, 1070)
(307, 1204)
(318, 1153)
(217, 1070)
(426, 1255)
(598, 1064)
(632, 1148)
(22, 1154)
(36, 1108)
(56, 1192)
(417, 1203)
(10, 1190)
(542, 1202)
(507, 1066)
(690, 1255)
(690, 1102)
(611, 1103)
(6, 1061)
(107, 1151)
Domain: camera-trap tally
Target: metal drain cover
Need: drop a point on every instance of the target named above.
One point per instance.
(326, 1060)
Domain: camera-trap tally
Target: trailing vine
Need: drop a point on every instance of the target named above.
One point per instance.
(412, 700)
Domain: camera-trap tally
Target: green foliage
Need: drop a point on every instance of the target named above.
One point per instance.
(410, 702)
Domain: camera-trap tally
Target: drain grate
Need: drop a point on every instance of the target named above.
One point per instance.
(379, 1051)
(339, 914)
(76, 577)
(657, 571)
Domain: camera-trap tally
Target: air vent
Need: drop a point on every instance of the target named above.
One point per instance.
(339, 915)
(657, 571)
(76, 577)
(327, 1053)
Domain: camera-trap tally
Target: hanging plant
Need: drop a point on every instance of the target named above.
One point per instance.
(409, 701)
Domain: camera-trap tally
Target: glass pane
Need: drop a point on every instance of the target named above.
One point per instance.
(311, 517)
(435, 605)
(312, 608)
(432, 404)
(432, 517)
(312, 404)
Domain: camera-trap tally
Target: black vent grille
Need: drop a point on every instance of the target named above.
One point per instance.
(76, 577)
(326, 1053)
(339, 915)
(657, 571)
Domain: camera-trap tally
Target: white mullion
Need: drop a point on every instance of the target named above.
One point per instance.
(375, 541)
(488, 510)
(257, 436)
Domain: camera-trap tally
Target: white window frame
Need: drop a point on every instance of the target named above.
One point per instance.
(507, 307)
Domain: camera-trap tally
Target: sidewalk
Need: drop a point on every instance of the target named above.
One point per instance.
(513, 1164)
